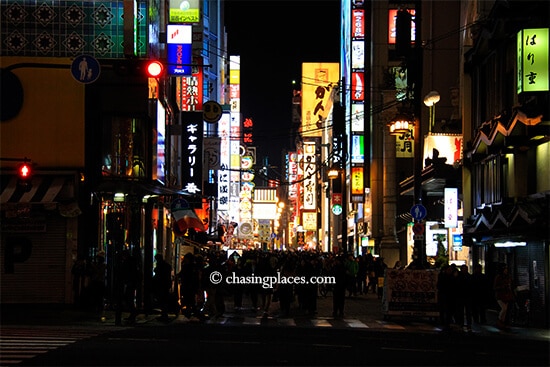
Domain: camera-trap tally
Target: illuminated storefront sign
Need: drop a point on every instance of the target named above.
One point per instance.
(358, 54)
(178, 55)
(192, 137)
(358, 23)
(309, 220)
(189, 89)
(357, 86)
(532, 60)
(357, 185)
(357, 117)
(393, 25)
(448, 146)
(319, 83)
(223, 173)
(357, 149)
(310, 176)
(404, 145)
(184, 11)
(451, 207)
(161, 144)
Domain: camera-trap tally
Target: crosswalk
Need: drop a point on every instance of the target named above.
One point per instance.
(309, 322)
(319, 322)
(18, 344)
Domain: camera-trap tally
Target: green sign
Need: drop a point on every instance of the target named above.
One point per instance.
(532, 59)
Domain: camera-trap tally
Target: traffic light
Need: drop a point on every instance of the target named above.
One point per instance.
(24, 175)
(136, 67)
(154, 68)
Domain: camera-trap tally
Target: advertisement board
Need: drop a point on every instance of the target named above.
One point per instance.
(410, 293)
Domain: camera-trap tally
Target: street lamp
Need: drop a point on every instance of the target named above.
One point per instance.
(401, 124)
(430, 100)
(419, 255)
(333, 173)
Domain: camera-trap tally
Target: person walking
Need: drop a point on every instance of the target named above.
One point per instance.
(464, 298)
(338, 271)
(352, 268)
(480, 295)
(162, 284)
(97, 284)
(189, 285)
(504, 295)
(130, 277)
(362, 275)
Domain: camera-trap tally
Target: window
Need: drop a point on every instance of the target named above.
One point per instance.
(124, 147)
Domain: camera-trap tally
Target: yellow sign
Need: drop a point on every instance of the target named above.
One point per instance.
(319, 85)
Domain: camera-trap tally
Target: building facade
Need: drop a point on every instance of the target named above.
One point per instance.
(104, 137)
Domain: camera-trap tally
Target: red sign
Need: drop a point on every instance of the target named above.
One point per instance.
(418, 228)
(358, 23)
(357, 89)
(336, 198)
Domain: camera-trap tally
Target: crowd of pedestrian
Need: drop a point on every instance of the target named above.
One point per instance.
(463, 297)
(199, 297)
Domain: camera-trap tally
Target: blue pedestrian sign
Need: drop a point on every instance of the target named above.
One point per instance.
(85, 69)
(419, 212)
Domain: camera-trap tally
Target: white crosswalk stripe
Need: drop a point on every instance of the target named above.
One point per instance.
(18, 344)
(320, 322)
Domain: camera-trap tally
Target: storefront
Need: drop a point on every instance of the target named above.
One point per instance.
(38, 236)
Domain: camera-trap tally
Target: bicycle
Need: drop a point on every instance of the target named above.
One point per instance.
(521, 307)
(324, 289)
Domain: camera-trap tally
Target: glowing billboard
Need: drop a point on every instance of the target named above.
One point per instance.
(532, 60)
(178, 55)
(184, 11)
(319, 84)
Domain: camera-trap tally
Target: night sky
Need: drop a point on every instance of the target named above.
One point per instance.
(273, 39)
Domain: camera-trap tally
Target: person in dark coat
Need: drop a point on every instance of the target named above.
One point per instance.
(481, 289)
(445, 296)
(162, 284)
(286, 291)
(464, 298)
(338, 271)
(131, 279)
(189, 285)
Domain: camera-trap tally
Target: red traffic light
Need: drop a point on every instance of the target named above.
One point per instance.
(154, 69)
(24, 171)
(24, 176)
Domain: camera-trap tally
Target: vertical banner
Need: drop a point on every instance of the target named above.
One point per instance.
(310, 176)
(192, 162)
(532, 60)
(178, 52)
(451, 207)
(319, 83)
(223, 172)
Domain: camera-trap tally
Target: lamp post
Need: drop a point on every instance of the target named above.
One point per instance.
(430, 101)
(413, 60)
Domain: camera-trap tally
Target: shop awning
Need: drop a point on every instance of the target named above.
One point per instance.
(434, 180)
(520, 220)
(137, 188)
(45, 189)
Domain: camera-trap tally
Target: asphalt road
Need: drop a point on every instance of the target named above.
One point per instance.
(245, 338)
(222, 345)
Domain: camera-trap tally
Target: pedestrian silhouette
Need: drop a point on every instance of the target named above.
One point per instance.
(162, 284)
